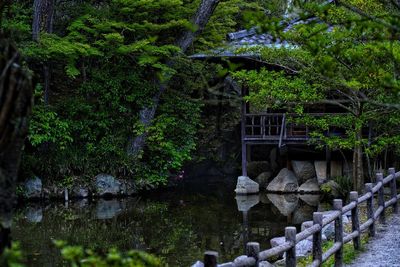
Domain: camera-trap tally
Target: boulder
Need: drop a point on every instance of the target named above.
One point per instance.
(309, 187)
(304, 170)
(334, 188)
(107, 185)
(276, 241)
(33, 188)
(246, 186)
(80, 192)
(286, 203)
(310, 199)
(265, 264)
(263, 179)
(107, 209)
(329, 230)
(320, 170)
(302, 248)
(285, 181)
(245, 203)
(255, 168)
(308, 224)
(239, 260)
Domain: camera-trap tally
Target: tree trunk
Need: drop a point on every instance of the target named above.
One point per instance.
(15, 106)
(43, 16)
(146, 115)
(358, 175)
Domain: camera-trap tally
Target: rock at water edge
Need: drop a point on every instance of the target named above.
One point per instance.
(304, 170)
(263, 179)
(255, 168)
(107, 185)
(309, 187)
(285, 181)
(33, 188)
(246, 186)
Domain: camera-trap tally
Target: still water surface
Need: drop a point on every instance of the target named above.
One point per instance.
(177, 226)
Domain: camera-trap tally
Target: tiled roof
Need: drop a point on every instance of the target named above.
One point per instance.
(248, 43)
(245, 43)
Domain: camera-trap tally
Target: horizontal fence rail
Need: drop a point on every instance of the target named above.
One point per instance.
(255, 256)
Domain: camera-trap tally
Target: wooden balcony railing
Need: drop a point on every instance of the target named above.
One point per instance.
(276, 128)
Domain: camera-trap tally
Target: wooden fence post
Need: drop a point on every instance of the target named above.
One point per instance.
(355, 222)
(317, 238)
(337, 205)
(370, 209)
(393, 189)
(210, 259)
(252, 250)
(381, 197)
(290, 235)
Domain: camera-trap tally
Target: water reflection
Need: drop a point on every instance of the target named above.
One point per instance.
(108, 209)
(177, 227)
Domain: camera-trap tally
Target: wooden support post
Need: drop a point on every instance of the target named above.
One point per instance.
(381, 197)
(370, 209)
(248, 153)
(252, 250)
(210, 259)
(243, 134)
(355, 222)
(337, 205)
(290, 235)
(393, 189)
(317, 238)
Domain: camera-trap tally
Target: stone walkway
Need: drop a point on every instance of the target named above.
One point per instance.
(384, 249)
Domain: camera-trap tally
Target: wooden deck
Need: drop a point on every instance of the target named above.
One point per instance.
(276, 129)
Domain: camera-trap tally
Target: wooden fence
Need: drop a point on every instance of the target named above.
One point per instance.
(255, 256)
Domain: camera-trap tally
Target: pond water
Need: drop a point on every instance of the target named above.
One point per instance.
(177, 226)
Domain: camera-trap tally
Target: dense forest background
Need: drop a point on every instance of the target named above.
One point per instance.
(116, 93)
(98, 65)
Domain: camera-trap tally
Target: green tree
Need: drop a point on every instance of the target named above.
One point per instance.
(347, 58)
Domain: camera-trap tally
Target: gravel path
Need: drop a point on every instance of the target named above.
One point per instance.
(384, 249)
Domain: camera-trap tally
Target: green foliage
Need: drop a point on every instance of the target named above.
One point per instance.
(78, 256)
(46, 126)
(341, 187)
(345, 61)
(12, 257)
(106, 62)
